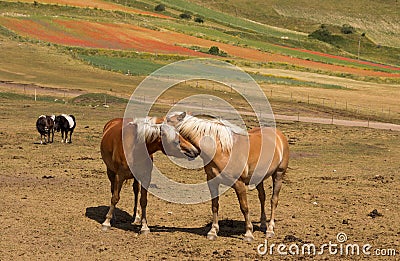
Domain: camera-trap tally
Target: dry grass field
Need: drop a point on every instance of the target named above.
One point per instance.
(55, 197)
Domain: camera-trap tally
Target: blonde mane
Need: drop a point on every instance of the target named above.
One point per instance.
(147, 130)
(192, 127)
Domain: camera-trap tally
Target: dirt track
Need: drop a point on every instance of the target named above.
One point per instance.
(355, 123)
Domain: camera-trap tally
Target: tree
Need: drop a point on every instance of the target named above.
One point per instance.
(199, 20)
(159, 8)
(214, 50)
(185, 16)
(347, 29)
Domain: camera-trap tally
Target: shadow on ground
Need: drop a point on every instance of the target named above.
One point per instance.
(122, 220)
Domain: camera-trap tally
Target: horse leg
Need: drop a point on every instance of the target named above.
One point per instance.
(115, 190)
(62, 136)
(70, 137)
(213, 233)
(143, 205)
(136, 187)
(52, 135)
(277, 184)
(261, 197)
(241, 193)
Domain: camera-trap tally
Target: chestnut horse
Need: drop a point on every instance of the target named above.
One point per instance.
(157, 136)
(262, 151)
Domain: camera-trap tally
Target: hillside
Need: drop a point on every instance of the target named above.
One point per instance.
(65, 22)
(379, 19)
(109, 46)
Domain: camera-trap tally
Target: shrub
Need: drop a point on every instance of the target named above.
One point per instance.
(185, 16)
(347, 29)
(214, 50)
(159, 8)
(199, 20)
(323, 34)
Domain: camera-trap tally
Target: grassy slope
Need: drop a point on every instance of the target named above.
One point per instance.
(379, 19)
(380, 26)
(50, 68)
(243, 33)
(43, 65)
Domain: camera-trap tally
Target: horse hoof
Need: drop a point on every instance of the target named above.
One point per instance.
(144, 231)
(105, 228)
(248, 239)
(136, 221)
(269, 234)
(212, 237)
(263, 228)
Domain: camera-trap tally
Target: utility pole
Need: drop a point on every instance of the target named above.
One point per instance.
(359, 45)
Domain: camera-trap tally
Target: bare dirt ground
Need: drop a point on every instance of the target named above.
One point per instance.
(54, 197)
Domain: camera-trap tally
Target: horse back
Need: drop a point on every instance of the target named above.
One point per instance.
(111, 145)
(267, 141)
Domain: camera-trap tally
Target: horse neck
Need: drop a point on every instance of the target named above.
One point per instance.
(154, 146)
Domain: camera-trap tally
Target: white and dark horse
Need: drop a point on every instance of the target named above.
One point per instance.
(45, 126)
(66, 124)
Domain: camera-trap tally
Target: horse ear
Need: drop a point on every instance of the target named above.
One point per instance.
(181, 116)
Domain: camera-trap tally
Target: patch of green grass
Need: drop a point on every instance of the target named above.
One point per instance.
(293, 82)
(96, 99)
(128, 65)
(232, 21)
(20, 97)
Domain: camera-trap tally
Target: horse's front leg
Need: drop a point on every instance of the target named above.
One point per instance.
(62, 136)
(70, 137)
(241, 193)
(277, 184)
(52, 135)
(116, 184)
(136, 187)
(213, 186)
(213, 233)
(143, 205)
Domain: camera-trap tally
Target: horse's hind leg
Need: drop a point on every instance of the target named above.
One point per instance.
(70, 137)
(261, 197)
(115, 190)
(136, 187)
(241, 193)
(277, 184)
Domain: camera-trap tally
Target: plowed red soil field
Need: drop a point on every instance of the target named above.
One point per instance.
(127, 36)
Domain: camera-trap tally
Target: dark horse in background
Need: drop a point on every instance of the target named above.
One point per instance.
(45, 126)
(66, 124)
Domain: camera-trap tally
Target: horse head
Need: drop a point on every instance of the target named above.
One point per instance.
(173, 144)
(58, 123)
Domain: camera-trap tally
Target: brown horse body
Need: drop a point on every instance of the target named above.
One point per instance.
(234, 159)
(120, 165)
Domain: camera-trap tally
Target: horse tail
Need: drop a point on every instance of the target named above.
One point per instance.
(284, 153)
